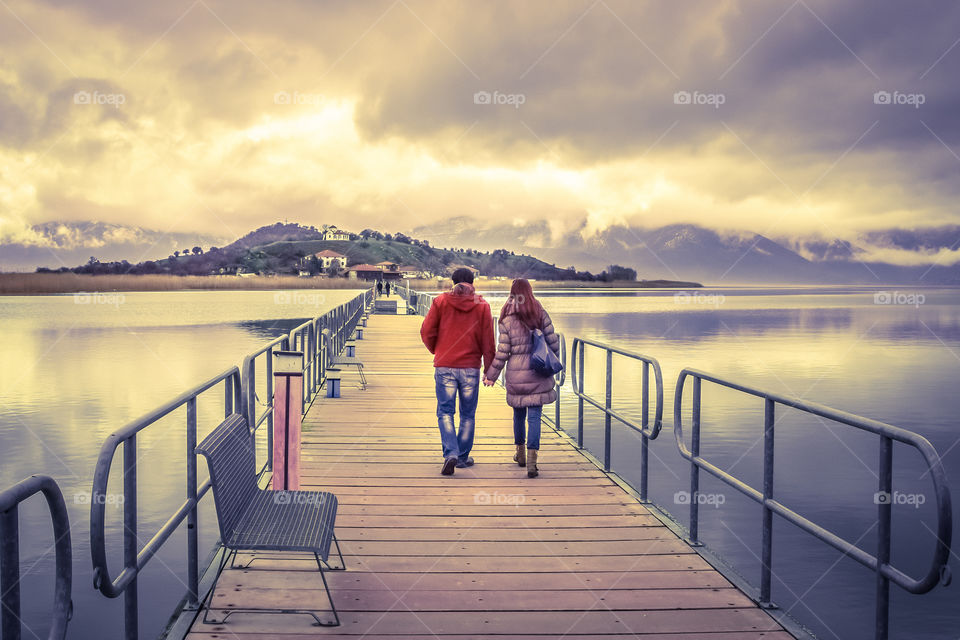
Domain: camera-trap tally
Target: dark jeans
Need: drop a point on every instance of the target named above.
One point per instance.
(532, 416)
(452, 383)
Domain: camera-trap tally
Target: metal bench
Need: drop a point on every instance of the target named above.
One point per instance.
(338, 362)
(254, 519)
(385, 306)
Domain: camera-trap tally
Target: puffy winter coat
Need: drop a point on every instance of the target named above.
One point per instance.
(525, 387)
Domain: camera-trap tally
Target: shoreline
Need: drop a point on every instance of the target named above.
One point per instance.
(27, 284)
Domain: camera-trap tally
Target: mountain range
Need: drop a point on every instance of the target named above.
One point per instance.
(68, 244)
(677, 251)
(691, 252)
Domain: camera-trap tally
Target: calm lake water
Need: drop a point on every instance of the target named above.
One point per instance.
(76, 368)
(73, 370)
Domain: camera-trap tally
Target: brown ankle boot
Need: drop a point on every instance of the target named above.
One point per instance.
(520, 457)
(532, 471)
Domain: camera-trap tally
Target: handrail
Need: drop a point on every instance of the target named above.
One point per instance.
(248, 374)
(646, 431)
(314, 337)
(560, 378)
(135, 559)
(10, 500)
(939, 570)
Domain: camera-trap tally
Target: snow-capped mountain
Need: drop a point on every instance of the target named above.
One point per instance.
(58, 244)
(691, 252)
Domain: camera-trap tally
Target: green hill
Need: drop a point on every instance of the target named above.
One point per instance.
(281, 249)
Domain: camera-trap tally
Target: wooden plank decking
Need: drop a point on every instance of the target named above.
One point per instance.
(485, 553)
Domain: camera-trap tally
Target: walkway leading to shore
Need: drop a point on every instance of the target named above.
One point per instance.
(485, 553)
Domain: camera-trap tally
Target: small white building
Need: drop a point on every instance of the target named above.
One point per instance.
(332, 233)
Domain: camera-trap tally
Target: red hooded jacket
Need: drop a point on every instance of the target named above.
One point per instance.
(458, 329)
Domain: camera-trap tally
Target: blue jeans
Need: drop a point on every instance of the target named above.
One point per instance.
(451, 383)
(532, 416)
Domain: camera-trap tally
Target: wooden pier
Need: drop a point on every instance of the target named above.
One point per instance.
(485, 553)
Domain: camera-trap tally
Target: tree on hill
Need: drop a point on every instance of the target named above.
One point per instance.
(616, 272)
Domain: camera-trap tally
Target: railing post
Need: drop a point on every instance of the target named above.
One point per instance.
(227, 398)
(644, 420)
(766, 561)
(884, 502)
(193, 574)
(130, 605)
(10, 581)
(608, 402)
(580, 397)
(694, 469)
(556, 410)
(270, 407)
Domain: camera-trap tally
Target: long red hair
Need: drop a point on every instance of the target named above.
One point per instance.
(522, 303)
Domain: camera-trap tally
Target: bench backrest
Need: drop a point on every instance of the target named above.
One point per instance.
(385, 306)
(231, 459)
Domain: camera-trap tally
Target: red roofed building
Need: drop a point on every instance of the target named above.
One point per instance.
(328, 257)
(372, 272)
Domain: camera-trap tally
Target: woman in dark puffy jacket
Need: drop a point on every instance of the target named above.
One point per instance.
(527, 390)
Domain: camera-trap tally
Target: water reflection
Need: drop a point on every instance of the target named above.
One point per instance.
(898, 364)
(75, 371)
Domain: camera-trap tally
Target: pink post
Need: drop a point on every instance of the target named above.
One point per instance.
(288, 390)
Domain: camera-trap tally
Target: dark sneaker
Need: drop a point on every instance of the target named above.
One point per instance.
(448, 466)
(465, 463)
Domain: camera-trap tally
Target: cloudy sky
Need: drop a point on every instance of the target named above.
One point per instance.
(822, 117)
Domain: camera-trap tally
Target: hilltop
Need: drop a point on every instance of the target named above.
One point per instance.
(285, 249)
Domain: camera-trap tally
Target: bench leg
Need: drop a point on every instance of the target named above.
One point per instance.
(326, 587)
(363, 378)
(228, 556)
(343, 565)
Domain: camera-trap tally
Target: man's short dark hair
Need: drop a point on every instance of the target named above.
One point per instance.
(462, 275)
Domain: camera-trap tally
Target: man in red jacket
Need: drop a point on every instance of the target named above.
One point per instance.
(458, 330)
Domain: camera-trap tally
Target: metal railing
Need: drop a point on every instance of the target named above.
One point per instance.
(317, 338)
(326, 335)
(559, 379)
(134, 558)
(419, 301)
(10, 500)
(646, 431)
(939, 572)
(886, 573)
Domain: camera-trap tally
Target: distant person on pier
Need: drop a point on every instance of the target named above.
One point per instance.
(386, 286)
(527, 390)
(379, 287)
(458, 331)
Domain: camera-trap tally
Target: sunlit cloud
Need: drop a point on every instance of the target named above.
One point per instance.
(217, 117)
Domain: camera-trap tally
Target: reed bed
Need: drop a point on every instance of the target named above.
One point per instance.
(49, 283)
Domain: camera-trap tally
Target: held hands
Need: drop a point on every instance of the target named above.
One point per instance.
(487, 382)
